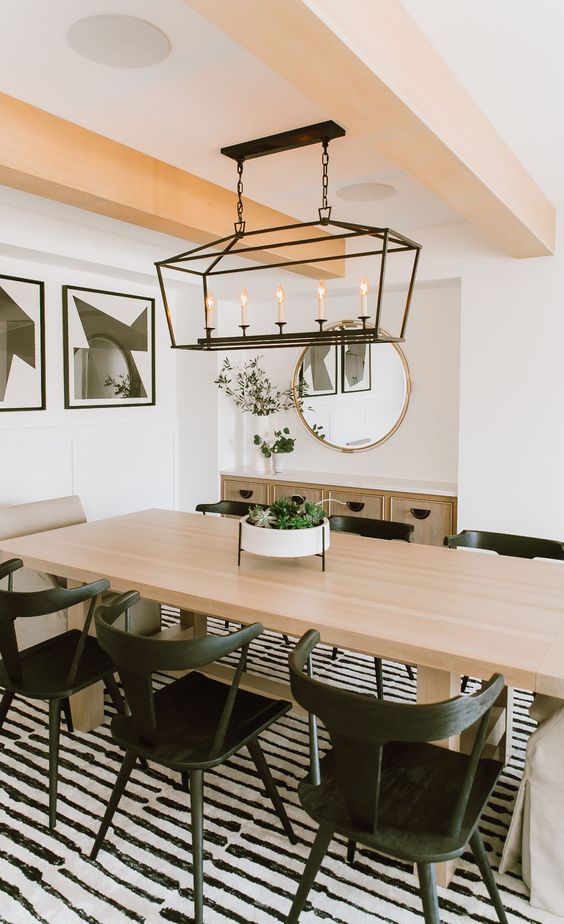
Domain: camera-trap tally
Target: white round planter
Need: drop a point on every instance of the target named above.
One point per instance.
(284, 543)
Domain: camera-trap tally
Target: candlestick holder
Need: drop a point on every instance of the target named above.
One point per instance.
(209, 332)
(281, 325)
(244, 328)
(321, 322)
(364, 319)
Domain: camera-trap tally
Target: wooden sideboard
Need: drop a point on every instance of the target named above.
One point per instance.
(431, 509)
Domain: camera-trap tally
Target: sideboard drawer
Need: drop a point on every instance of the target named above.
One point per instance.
(297, 490)
(432, 519)
(356, 505)
(255, 492)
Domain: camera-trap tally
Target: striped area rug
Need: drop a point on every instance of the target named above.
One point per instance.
(143, 872)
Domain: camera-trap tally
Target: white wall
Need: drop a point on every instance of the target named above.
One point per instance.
(116, 459)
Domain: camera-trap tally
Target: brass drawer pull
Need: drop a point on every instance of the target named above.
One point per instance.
(246, 494)
(419, 513)
(355, 506)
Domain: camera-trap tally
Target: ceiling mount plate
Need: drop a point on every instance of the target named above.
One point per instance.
(285, 141)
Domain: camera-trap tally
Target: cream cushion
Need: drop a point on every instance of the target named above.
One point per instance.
(536, 835)
(43, 516)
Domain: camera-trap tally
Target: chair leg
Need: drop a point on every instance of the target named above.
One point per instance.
(464, 683)
(315, 859)
(185, 778)
(351, 850)
(66, 710)
(270, 786)
(54, 729)
(334, 654)
(286, 639)
(125, 771)
(428, 890)
(481, 857)
(379, 678)
(115, 695)
(226, 624)
(5, 704)
(197, 823)
(410, 673)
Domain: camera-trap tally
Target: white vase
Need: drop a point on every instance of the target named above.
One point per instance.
(261, 426)
(278, 462)
(285, 543)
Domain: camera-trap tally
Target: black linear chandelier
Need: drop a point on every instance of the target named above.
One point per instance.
(309, 245)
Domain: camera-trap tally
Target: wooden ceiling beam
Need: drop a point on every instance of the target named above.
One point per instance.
(372, 69)
(51, 157)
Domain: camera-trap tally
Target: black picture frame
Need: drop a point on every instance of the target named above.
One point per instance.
(10, 305)
(307, 391)
(126, 338)
(347, 347)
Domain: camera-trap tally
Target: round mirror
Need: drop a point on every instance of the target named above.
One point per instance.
(351, 396)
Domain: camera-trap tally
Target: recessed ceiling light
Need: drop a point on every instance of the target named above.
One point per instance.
(118, 41)
(366, 192)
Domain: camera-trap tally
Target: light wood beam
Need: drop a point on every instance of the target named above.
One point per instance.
(51, 157)
(371, 68)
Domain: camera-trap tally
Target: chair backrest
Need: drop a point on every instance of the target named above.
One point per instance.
(227, 508)
(373, 529)
(360, 727)
(137, 657)
(15, 605)
(506, 544)
(40, 516)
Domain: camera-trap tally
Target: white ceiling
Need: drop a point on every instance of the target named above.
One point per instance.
(210, 92)
(509, 56)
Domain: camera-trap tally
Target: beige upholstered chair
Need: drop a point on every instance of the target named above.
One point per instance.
(38, 517)
(535, 835)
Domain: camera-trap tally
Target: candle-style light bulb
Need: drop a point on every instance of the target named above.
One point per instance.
(210, 307)
(321, 293)
(280, 296)
(364, 286)
(244, 298)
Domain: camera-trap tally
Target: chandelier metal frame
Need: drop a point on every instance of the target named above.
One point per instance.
(381, 242)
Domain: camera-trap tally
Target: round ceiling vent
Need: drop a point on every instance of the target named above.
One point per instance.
(118, 41)
(365, 192)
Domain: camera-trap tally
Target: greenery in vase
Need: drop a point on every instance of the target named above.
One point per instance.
(287, 513)
(283, 442)
(251, 390)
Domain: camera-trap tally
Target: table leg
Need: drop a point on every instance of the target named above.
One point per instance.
(195, 621)
(87, 707)
(434, 686)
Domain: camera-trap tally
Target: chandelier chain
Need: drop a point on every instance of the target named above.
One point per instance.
(240, 164)
(324, 176)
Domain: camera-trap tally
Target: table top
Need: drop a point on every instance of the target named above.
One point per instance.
(446, 609)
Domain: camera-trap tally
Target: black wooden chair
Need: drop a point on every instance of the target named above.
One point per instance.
(54, 669)
(386, 786)
(227, 508)
(505, 544)
(374, 529)
(192, 724)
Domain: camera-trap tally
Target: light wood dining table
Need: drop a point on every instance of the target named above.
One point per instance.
(448, 612)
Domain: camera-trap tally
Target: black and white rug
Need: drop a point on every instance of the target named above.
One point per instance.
(143, 872)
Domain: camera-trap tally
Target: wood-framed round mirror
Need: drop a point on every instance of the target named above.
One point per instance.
(351, 397)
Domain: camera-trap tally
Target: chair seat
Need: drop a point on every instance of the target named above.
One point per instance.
(45, 667)
(420, 784)
(188, 712)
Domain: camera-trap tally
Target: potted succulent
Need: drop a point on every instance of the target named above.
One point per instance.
(290, 528)
(276, 449)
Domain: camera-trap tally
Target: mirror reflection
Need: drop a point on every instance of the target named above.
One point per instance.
(354, 396)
